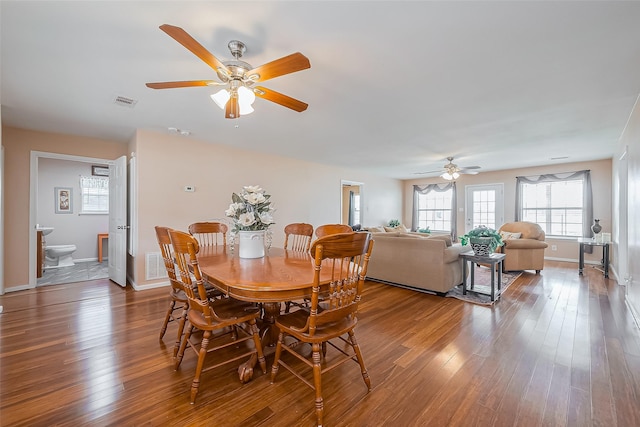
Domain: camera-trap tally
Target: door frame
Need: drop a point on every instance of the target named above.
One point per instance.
(343, 183)
(33, 200)
(499, 187)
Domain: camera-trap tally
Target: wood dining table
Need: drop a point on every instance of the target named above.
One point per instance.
(281, 275)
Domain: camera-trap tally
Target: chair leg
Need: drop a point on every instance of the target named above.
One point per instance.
(183, 319)
(317, 382)
(356, 349)
(256, 340)
(202, 354)
(167, 318)
(183, 345)
(276, 359)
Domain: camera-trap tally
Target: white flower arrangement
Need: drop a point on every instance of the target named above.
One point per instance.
(251, 209)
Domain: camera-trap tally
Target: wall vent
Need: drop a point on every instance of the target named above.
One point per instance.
(154, 266)
(124, 101)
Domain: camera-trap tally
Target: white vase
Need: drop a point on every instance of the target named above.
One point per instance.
(251, 244)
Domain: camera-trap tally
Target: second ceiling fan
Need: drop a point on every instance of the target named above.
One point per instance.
(238, 77)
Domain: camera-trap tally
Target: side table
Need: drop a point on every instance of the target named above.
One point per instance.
(586, 241)
(494, 260)
(101, 238)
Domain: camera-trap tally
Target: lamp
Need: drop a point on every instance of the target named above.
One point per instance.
(450, 176)
(246, 97)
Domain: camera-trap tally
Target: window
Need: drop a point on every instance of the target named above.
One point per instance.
(434, 207)
(94, 193)
(561, 205)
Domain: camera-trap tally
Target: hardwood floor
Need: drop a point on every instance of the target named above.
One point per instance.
(557, 350)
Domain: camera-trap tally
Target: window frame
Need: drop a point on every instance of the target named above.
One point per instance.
(546, 216)
(452, 209)
(104, 196)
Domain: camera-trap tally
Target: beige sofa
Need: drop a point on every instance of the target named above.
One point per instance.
(425, 263)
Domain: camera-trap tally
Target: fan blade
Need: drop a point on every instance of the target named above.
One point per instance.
(182, 37)
(427, 172)
(278, 98)
(232, 109)
(192, 83)
(279, 67)
(466, 171)
(471, 167)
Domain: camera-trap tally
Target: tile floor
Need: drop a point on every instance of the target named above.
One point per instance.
(89, 270)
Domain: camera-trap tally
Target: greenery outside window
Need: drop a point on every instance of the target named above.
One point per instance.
(94, 195)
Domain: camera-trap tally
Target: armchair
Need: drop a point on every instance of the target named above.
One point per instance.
(525, 252)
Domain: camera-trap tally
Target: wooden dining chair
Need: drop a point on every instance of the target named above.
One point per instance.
(297, 236)
(209, 233)
(229, 318)
(345, 256)
(327, 229)
(177, 298)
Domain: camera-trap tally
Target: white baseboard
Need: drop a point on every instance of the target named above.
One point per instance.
(573, 260)
(18, 288)
(148, 286)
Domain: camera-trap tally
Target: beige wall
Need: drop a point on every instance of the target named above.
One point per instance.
(18, 144)
(566, 249)
(300, 191)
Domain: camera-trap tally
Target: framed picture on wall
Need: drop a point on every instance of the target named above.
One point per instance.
(63, 200)
(100, 170)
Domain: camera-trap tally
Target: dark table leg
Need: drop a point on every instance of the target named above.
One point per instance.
(499, 278)
(581, 263)
(605, 259)
(464, 277)
(473, 278)
(493, 281)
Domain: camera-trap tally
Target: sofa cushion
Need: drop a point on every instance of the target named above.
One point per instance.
(507, 235)
(401, 228)
(444, 237)
(376, 229)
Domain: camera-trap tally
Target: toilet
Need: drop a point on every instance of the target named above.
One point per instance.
(59, 256)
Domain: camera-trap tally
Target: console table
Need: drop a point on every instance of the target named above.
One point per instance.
(586, 241)
(494, 260)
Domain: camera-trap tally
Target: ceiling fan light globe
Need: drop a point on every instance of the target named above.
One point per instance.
(221, 97)
(447, 176)
(245, 109)
(455, 175)
(246, 96)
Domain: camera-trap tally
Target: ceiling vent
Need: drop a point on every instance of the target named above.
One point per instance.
(123, 101)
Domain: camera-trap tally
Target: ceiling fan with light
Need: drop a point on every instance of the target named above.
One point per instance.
(238, 77)
(452, 171)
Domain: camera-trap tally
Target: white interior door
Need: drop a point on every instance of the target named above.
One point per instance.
(484, 206)
(118, 221)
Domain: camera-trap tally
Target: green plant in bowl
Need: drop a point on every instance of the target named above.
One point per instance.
(394, 223)
(483, 235)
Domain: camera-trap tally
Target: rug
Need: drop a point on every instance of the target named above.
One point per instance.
(483, 284)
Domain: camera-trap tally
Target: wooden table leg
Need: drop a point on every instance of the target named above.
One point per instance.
(269, 333)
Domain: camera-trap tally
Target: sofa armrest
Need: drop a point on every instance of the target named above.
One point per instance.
(451, 253)
(524, 244)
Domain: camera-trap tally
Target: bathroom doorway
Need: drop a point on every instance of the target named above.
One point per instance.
(71, 224)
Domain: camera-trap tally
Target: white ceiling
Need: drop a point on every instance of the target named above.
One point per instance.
(394, 87)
